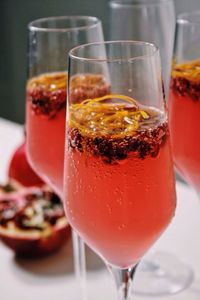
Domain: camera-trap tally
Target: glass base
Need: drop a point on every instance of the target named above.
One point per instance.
(163, 275)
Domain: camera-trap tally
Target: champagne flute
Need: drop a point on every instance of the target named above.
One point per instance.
(119, 189)
(146, 20)
(184, 100)
(50, 39)
(152, 21)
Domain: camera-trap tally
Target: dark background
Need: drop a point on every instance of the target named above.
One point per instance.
(14, 17)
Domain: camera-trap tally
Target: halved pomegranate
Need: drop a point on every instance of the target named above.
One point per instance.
(20, 171)
(32, 222)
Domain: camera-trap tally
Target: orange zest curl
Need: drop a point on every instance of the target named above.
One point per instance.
(49, 82)
(101, 117)
(189, 70)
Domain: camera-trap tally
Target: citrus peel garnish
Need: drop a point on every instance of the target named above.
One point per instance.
(114, 119)
(189, 70)
(49, 81)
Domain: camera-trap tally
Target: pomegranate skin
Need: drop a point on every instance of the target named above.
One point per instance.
(30, 247)
(20, 170)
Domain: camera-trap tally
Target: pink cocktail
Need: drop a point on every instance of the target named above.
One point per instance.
(46, 112)
(119, 186)
(184, 106)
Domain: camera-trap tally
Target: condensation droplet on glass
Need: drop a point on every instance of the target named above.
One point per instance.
(109, 208)
(131, 202)
(93, 224)
(122, 226)
(82, 213)
(119, 201)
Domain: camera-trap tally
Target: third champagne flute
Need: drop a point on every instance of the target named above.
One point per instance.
(184, 98)
(184, 108)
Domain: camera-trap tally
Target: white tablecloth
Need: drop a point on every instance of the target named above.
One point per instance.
(52, 278)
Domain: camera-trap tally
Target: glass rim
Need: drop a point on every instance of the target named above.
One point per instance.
(85, 59)
(138, 2)
(184, 18)
(34, 25)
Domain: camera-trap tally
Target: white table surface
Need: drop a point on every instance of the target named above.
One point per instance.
(52, 278)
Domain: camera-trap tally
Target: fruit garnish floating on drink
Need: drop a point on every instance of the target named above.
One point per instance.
(32, 221)
(185, 79)
(48, 92)
(112, 130)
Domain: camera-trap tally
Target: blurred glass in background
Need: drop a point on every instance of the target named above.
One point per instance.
(146, 20)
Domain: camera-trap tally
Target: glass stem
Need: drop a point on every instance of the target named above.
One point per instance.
(123, 279)
(79, 263)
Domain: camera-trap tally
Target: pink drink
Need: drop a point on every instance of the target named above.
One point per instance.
(46, 117)
(119, 190)
(46, 110)
(184, 120)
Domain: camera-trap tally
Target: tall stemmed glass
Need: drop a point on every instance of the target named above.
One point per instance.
(146, 20)
(184, 104)
(152, 21)
(118, 180)
(50, 40)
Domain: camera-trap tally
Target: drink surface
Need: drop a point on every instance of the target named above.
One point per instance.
(119, 184)
(184, 108)
(46, 117)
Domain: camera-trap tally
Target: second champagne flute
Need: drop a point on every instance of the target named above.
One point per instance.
(50, 40)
